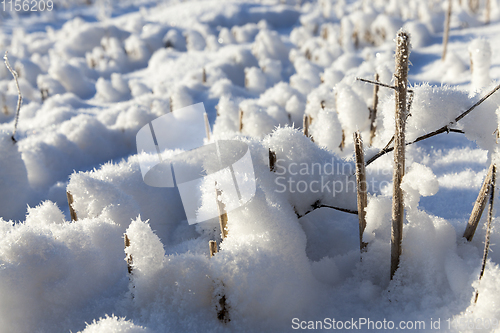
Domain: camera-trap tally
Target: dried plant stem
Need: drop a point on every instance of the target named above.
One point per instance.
(305, 125)
(376, 83)
(488, 227)
(221, 307)
(222, 213)
(272, 160)
(446, 29)
(380, 84)
(444, 129)
(479, 206)
(129, 256)
(487, 12)
(474, 5)
(213, 248)
(72, 212)
(361, 188)
(207, 126)
(401, 82)
(318, 205)
(342, 142)
(240, 120)
(20, 96)
(373, 110)
(44, 94)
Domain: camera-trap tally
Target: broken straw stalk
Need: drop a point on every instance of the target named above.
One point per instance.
(401, 82)
(362, 196)
(72, 211)
(479, 206)
(446, 29)
(20, 97)
(488, 228)
(222, 309)
(373, 110)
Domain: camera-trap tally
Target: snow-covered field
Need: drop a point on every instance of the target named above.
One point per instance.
(93, 74)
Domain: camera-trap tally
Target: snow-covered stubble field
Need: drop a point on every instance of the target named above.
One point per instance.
(92, 75)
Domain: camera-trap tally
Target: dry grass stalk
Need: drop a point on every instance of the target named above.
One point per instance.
(72, 212)
(324, 33)
(222, 309)
(5, 109)
(378, 83)
(129, 256)
(222, 213)
(305, 125)
(207, 126)
(44, 94)
(240, 120)
(488, 227)
(272, 160)
(446, 28)
(373, 110)
(213, 248)
(356, 39)
(361, 187)
(307, 54)
(204, 76)
(342, 143)
(479, 206)
(474, 5)
(401, 83)
(318, 205)
(20, 96)
(487, 12)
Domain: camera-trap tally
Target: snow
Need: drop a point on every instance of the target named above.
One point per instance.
(95, 78)
(43, 262)
(114, 324)
(14, 175)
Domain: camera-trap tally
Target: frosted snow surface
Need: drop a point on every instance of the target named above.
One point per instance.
(94, 73)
